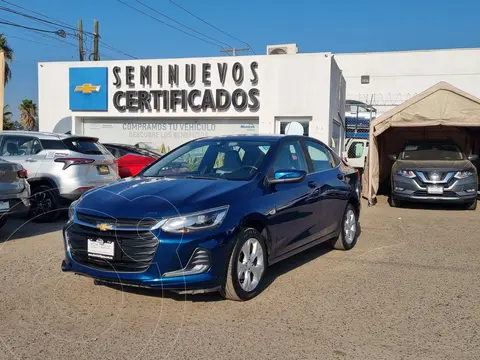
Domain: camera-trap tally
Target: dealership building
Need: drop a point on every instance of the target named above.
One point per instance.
(169, 101)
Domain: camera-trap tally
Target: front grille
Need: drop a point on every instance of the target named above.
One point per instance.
(117, 223)
(424, 193)
(133, 250)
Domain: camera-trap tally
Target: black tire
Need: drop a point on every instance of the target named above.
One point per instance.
(43, 204)
(232, 288)
(472, 205)
(342, 242)
(394, 202)
(3, 220)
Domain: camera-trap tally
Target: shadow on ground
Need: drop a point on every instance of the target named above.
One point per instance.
(273, 272)
(21, 227)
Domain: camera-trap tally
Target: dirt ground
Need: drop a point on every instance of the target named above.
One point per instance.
(409, 290)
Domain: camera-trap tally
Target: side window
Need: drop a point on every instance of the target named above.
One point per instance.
(290, 157)
(20, 146)
(320, 156)
(355, 150)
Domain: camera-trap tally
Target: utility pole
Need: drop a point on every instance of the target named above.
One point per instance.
(234, 50)
(2, 85)
(96, 57)
(80, 40)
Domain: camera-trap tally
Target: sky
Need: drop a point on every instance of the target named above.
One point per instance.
(314, 25)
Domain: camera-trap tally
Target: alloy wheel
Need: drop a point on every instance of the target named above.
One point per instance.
(41, 203)
(250, 264)
(350, 226)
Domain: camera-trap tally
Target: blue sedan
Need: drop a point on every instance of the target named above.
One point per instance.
(213, 214)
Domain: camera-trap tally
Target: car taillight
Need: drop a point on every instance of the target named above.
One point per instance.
(22, 174)
(358, 175)
(73, 161)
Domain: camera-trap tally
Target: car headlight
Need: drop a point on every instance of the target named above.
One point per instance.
(406, 173)
(71, 210)
(202, 220)
(463, 174)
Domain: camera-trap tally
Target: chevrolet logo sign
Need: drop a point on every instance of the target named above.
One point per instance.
(87, 88)
(104, 227)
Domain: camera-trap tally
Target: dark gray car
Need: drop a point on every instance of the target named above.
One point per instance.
(434, 171)
(14, 190)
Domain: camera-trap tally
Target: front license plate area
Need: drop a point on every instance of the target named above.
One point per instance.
(435, 190)
(100, 248)
(103, 170)
(4, 205)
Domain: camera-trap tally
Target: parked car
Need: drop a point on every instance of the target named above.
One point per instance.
(131, 159)
(213, 214)
(434, 171)
(60, 167)
(14, 190)
(355, 154)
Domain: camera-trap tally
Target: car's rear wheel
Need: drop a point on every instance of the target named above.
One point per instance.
(348, 236)
(43, 204)
(472, 205)
(246, 267)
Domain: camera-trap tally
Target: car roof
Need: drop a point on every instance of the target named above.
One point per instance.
(257, 137)
(43, 135)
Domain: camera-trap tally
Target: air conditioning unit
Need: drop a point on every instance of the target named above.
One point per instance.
(284, 49)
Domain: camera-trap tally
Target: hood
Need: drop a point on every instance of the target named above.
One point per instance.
(138, 198)
(433, 164)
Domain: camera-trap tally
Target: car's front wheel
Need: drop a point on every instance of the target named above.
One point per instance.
(348, 236)
(472, 205)
(246, 267)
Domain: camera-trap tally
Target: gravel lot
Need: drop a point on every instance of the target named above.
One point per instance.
(409, 290)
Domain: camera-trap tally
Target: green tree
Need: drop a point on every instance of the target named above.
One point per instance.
(28, 114)
(8, 51)
(7, 119)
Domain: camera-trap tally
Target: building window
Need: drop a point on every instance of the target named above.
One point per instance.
(282, 123)
(365, 79)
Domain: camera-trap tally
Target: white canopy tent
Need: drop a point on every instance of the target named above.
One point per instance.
(440, 112)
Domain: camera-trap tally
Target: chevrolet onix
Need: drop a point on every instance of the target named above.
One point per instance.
(434, 171)
(213, 214)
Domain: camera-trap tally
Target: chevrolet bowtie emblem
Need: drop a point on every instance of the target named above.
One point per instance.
(87, 88)
(104, 227)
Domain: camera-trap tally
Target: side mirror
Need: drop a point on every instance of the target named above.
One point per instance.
(287, 177)
(473, 157)
(392, 157)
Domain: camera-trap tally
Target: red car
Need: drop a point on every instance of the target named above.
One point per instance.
(131, 159)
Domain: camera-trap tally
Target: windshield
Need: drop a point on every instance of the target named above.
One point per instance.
(431, 151)
(230, 160)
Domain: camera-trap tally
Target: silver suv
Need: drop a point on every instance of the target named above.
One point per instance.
(60, 167)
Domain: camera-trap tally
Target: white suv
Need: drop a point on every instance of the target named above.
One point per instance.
(60, 167)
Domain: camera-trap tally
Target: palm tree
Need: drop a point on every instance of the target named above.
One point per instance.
(7, 118)
(8, 51)
(28, 114)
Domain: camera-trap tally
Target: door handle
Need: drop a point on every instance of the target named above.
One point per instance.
(340, 177)
(31, 160)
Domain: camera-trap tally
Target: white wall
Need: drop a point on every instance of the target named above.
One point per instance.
(397, 76)
(289, 85)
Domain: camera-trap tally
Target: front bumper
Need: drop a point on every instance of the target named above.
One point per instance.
(459, 191)
(172, 253)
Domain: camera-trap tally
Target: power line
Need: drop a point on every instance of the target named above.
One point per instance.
(58, 32)
(29, 40)
(180, 23)
(164, 23)
(213, 26)
(64, 24)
